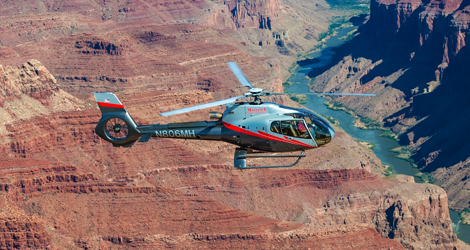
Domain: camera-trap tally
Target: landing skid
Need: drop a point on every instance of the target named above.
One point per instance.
(242, 154)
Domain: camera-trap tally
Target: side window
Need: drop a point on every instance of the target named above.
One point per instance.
(276, 127)
(289, 128)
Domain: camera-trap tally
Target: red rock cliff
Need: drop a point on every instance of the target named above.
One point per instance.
(31, 79)
(83, 191)
(258, 13)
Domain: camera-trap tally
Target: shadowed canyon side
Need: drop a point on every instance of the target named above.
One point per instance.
(417, 62)
(62, 187)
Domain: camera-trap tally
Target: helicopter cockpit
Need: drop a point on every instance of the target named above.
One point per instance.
(318, 128)
(291, 128)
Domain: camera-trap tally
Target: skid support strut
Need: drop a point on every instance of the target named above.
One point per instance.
(241, 155)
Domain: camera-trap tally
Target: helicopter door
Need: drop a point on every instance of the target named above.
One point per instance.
(292, 134)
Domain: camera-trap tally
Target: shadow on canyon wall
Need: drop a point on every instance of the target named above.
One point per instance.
(447, 118)
(416, 62)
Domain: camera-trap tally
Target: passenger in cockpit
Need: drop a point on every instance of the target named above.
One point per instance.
(301, 127)
(303, 130)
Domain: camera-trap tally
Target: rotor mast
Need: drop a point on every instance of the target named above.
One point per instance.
(256, 93)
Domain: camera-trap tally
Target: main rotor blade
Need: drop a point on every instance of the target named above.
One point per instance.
(239, 74)
(202, 106)
(353, 94)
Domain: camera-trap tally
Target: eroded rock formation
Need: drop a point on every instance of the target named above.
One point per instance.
(31, 79)
(258, 13)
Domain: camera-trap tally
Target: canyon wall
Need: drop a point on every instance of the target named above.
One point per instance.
(415, 61)
(270, 27)
(76, 191)
(62, 187)
(256, 14)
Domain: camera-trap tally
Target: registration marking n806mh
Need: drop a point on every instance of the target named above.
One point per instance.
(175, 133)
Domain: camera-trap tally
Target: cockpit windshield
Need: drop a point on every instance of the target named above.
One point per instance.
(320, 129)
(292, 128)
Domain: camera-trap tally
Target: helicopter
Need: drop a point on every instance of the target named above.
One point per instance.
(255, 127)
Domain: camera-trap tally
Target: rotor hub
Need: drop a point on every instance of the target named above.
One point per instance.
(255, 91)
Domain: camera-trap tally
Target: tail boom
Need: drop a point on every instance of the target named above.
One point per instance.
(202, 130)
(117, 126)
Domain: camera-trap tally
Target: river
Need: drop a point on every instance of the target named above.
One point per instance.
(383, 145)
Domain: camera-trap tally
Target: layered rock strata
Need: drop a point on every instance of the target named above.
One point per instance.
(80, 209)
(23, 232)
(166, 198)
(266, 27)
(329, 199)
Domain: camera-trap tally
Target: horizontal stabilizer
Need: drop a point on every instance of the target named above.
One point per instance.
(145, 138)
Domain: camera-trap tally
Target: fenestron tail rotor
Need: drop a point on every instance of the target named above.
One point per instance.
(256, 93)
(116, 129)
(116, 124)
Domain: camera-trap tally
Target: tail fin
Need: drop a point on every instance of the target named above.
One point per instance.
(116, 124)
(108, 102)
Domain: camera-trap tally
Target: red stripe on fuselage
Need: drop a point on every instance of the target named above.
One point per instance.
(264, 135)
(272, 137)
(110, 105)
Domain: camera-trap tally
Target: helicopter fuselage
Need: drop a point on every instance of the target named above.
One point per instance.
(266, 127)
(256, 125)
